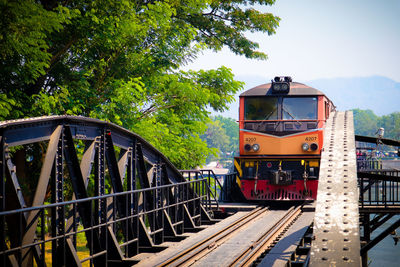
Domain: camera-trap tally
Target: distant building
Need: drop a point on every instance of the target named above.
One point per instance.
(217, 168)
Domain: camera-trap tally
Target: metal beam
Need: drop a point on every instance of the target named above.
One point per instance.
(380, 237)
(115, 170)
(336, 223)
(378, 176)
(375, 140)
(377, 224)
(40, 193)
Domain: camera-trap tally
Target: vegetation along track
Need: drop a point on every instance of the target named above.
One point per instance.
(199, 250)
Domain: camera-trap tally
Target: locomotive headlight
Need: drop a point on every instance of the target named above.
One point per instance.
(247, 147)
(280, 87)
(256, 147)
(314, 146)
(305, 146)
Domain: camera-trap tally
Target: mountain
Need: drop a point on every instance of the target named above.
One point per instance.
(377, 93)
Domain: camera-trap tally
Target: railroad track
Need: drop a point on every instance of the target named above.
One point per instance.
(199, 250)
(195, 254)
(268, 239)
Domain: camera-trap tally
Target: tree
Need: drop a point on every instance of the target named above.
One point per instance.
(222, 135)
(365, 122)
(232, 130)
(216, 136)
(120, 60)
(391, 124)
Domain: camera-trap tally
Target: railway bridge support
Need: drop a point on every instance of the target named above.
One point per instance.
(75, 190)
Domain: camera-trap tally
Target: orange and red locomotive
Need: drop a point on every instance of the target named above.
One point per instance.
(281, 133)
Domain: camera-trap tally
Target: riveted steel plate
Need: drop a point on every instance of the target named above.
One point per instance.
(336, 223)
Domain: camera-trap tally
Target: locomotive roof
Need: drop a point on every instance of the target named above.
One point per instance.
(295, 90)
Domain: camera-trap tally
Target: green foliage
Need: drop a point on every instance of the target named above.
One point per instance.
(222, 134)
(120, 61)
(24, 45)
(232, 131)
(391, 123)
(57, 103)
(367, 123)
(216, 136)
(7, 107)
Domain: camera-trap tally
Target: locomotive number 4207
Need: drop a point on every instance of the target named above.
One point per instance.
(311, 138)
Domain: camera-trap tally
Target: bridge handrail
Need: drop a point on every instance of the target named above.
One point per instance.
(77, 201)
(211, 174)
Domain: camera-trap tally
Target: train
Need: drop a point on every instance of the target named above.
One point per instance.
(281, 128)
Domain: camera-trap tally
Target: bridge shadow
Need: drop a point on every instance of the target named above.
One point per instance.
(282, 252)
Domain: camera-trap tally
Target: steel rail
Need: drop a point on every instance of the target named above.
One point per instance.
(255, 250)
(205, 246)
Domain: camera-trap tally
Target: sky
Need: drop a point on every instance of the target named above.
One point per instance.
(322, 39)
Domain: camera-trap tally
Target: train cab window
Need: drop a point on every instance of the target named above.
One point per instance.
(299, 108)
(265, 108)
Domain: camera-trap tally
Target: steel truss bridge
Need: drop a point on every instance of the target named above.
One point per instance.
(75, 190)
(121, 197)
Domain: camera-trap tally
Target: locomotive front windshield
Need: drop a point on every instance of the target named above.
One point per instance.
(261, 108)
(280, 108)
(299, 108)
